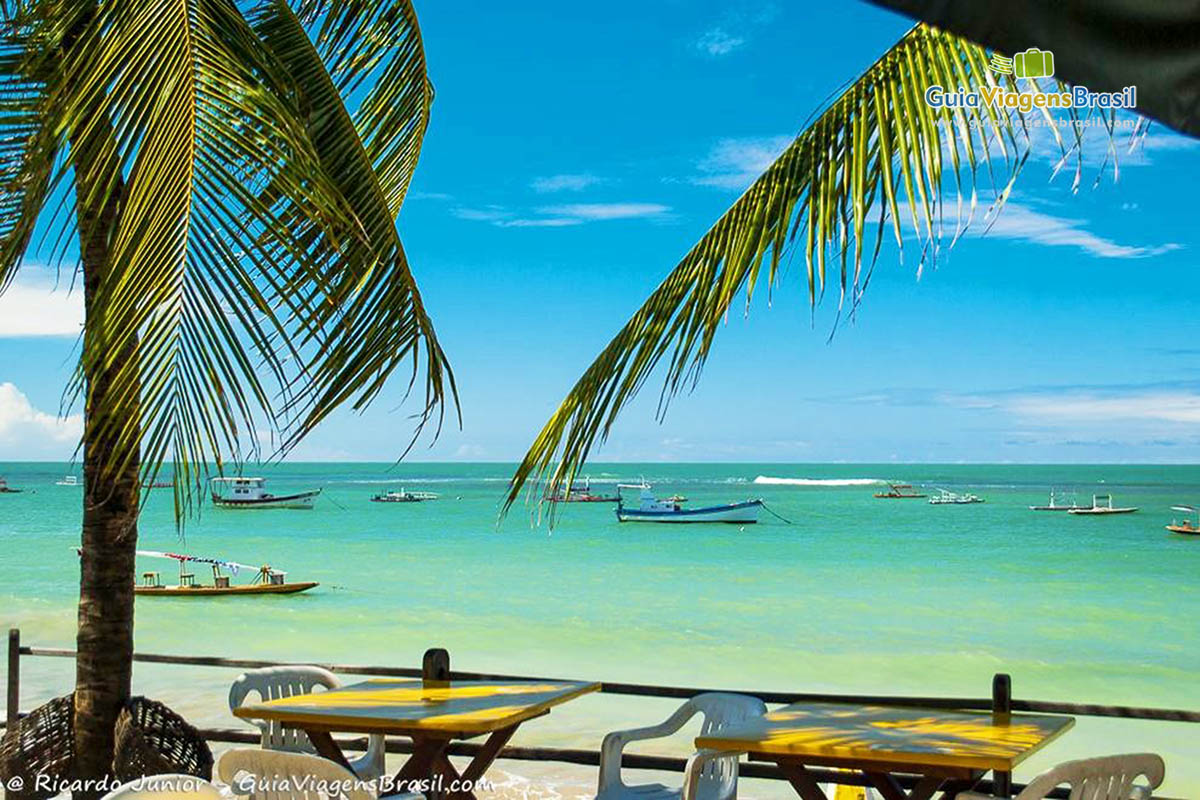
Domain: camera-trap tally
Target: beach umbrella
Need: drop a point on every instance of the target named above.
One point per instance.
(1105, 45)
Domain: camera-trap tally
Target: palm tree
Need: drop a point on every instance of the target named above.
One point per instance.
(236, 239)
(871, 166)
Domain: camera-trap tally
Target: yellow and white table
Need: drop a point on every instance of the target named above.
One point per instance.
(431, 713)
(949, 751)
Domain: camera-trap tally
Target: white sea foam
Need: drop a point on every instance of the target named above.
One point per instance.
(770, 481)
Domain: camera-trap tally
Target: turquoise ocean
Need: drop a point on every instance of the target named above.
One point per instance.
(855, 595)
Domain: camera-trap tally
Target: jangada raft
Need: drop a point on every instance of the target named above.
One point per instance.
(267, 580)
(1102, 504)
(651, 509)
(252, 493)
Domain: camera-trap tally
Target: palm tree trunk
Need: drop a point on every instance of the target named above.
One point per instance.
(104, 642)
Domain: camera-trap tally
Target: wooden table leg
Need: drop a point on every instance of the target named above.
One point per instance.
(419, 767)
(1002, 784)
(327, 748)
(926, 788)
(887, 786)
(801, 780)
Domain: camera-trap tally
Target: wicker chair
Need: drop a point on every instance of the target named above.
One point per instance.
(154, 740)
(42, 743)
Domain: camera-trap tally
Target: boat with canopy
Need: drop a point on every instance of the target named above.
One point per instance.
(267, 579)
(252, 493)
(900, 491)
(651, 509)
(403, 496)
(1188, 526)
(1055, 503)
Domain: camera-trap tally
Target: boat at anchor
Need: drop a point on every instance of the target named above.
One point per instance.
(577, 493)
(1188, 526)
(651, 509)
(900, 491)
(403, 496)
(948, 498)
(267, 579)
(6, 489)
(252, 493)
(1056, 505)
(1102, 504)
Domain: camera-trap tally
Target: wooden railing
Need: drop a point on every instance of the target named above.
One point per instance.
(1001, 699)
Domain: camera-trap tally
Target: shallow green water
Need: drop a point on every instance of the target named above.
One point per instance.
(857, 594)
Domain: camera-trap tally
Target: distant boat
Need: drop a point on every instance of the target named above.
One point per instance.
(6, 489)
(1102, 504)
(252, 493)
(158, 485)
(1054, 505)
(267, 580)
(67, 480)
(651, 509)
(946, 498)
(581, 494)
(900, 491)
(403, 496)
(1188, 526)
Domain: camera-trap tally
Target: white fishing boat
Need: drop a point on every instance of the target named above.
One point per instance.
(252, 493)
(651, 509)
(1102, 504)
(403, 496)
(947, 498)
(68, 480)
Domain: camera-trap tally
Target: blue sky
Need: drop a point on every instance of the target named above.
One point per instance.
(577, 151)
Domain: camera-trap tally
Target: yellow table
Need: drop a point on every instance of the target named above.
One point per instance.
(432, 713)
(949, 751)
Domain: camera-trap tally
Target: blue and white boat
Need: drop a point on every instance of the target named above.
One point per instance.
(651, 509)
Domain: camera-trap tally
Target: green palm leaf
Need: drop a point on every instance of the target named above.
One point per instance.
(874, 160)
(254, 279)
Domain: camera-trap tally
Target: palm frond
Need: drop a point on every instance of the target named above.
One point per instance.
(240, 275)
(875, 159)
(386, 318)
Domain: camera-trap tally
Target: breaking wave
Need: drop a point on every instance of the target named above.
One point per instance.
(770, 481)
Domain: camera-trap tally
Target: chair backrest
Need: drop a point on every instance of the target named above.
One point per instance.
(1104, 778)
(271, 683)
(274, 775)
(165, 787)
(718, 779)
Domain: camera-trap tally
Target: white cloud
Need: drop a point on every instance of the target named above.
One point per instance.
(605, 211)
(430, 196)
(735, 163)
(565, 183)
(719, 42)
(1164, 406)
(36, 308)
(26, 431)
(562, 216)
(1016, 221)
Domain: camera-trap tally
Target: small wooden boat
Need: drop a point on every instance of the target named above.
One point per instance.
(252, 493)
(267, 580)
(651, 509)
(900, 491)
(1189, 526)
(6, 489)
(947, 498)
(403, 496)
(581, 494)
(1055, 505)
(1102, 504)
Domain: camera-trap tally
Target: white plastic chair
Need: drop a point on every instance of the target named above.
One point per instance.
(276, 775)
(710, 774)
(166, 787)
(272, 683)
(1104, 778)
